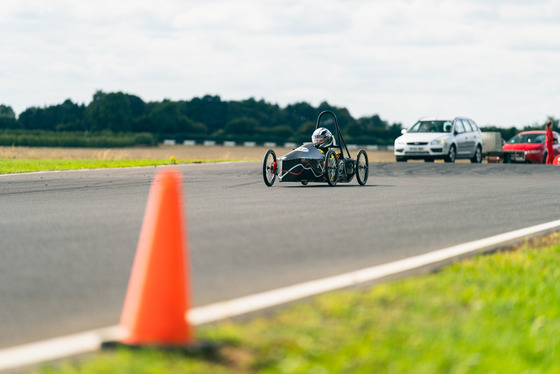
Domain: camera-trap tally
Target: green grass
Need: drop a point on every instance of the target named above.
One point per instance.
(496, 313)
(9, 166)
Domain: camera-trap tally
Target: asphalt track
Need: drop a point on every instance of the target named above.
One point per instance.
(68, 238)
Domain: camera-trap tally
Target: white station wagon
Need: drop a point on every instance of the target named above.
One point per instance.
(430, 139)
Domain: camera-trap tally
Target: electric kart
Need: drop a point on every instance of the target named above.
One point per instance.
(308, 164)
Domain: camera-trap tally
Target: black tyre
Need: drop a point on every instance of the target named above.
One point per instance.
(452, 155)
(269, 168)
(477, 157)
(362, 167)
(305, 183)
(331, 168)
(401, 159)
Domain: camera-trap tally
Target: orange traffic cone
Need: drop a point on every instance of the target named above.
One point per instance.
(158, 298)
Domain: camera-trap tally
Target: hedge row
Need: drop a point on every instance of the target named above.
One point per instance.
(37, 138)
(108, 139)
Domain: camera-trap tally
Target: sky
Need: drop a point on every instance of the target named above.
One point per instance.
(495, 61)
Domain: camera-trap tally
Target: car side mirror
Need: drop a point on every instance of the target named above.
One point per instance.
(403, 131)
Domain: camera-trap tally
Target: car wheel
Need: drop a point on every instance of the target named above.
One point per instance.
(429, 160)
(451, 155)
(401, 159)
(477, 158)
(545, 155)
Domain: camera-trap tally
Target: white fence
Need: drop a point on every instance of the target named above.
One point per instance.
(292, 145)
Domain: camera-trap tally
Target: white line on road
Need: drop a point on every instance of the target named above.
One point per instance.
(47, 350)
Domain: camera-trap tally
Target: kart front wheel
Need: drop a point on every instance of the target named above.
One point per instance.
(362, 167)
(269, 168)
(331, 168)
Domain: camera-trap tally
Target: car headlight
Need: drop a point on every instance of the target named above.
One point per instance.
(437, 142)
(399, 141)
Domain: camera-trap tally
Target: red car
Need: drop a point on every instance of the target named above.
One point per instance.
(529, 147)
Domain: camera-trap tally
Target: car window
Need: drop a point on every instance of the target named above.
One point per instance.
(459, 128)
(428, 126)
(528, 138)
(474, 125)
(467, 125)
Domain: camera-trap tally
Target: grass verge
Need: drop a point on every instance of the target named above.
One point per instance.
(494, 313)
(10, 166)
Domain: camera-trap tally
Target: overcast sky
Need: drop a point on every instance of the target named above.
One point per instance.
(496, 61)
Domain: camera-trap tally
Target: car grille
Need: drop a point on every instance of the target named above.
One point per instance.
(417, 153)
(417, 143)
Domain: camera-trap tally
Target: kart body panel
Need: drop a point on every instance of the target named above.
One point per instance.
(307, 163)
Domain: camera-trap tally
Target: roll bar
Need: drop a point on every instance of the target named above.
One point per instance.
(341, 144)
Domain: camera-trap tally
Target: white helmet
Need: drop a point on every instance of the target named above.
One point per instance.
(322, 138)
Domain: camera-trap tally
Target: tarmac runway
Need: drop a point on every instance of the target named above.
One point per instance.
(68, 238)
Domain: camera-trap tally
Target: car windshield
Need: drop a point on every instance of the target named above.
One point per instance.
(431, 126)
(528, 138)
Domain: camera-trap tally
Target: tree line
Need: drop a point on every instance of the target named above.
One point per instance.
(202, 118)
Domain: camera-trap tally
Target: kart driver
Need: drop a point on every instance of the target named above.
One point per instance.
(322, 139)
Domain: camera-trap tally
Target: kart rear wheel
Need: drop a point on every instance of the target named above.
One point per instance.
(362, 167)
(331, 168)
(269, 168)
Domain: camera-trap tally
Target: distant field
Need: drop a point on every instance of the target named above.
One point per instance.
(181, 153)
(164, 152)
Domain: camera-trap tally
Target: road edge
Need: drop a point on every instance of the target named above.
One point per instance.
(89, 341)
